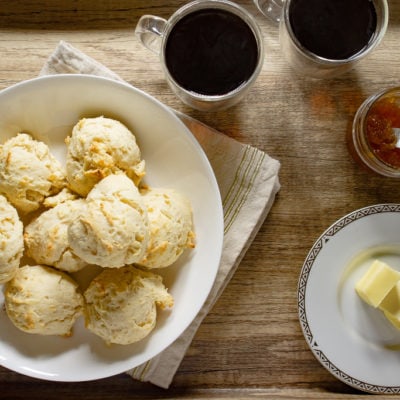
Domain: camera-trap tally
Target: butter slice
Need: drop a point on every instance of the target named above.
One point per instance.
(391, 303)
(393, 319)
(391, 306)
(376, 283)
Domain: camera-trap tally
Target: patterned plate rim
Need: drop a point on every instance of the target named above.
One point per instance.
(301, 296)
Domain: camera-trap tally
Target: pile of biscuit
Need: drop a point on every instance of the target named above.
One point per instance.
(94, 210)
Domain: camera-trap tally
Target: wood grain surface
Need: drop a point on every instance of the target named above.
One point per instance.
(251, 344)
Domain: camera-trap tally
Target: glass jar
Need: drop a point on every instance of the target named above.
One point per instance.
(375, 138)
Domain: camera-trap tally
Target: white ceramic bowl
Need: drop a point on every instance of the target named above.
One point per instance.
(48, 107)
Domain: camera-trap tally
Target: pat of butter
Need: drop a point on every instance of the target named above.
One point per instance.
(391, 306)
(391, 303)
(393, 319)
(377, 282)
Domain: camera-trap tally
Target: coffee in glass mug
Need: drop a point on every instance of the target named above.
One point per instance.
(325, 38)
(335, 30)
(211, 51)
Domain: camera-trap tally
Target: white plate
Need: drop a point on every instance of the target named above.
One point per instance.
(48, 107)
(351, 339)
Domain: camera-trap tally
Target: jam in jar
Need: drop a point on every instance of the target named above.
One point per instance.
(376, 133)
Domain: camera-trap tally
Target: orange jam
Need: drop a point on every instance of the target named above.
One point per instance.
(381, 120)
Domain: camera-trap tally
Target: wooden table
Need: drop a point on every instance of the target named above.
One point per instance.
(251, 344)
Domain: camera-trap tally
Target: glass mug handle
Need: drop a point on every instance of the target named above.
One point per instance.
(149, 30)
(270, 8)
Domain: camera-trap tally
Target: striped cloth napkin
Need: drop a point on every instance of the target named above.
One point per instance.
(248, 182)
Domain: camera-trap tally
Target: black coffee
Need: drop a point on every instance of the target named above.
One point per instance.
(333, 29)
(211, 52)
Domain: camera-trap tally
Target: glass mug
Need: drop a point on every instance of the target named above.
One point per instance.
(211, 52)
(325, 38)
